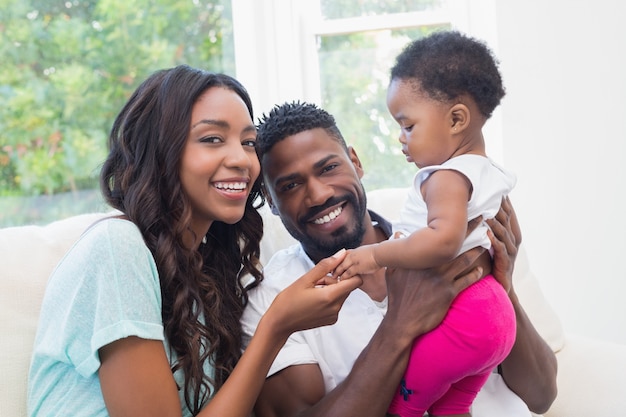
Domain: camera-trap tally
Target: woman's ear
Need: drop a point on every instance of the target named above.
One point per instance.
(459, 118)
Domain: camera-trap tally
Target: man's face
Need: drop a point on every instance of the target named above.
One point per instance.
(316, 187)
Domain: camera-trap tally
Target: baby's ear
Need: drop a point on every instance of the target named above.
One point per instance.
(459, 117)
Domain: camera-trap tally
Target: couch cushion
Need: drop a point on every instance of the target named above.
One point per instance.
(590, 379)
(29, 254)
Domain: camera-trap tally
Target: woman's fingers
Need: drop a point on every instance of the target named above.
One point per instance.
(311, 300)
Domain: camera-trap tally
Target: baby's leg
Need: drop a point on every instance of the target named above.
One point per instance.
(475, 336)
(455, 401)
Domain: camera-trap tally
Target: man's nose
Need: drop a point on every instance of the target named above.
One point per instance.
(318, 192)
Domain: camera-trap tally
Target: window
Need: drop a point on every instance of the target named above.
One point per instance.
(337, 53)
(67, 68)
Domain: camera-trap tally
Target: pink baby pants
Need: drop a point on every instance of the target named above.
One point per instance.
(450, 364)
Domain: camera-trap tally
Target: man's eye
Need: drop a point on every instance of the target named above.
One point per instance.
(329, 167)
(289, 186)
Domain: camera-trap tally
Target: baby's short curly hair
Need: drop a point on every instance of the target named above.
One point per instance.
(449, 64)
(290, 119)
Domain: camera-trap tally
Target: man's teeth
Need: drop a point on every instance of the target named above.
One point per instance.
(330, 216)
(231, 186)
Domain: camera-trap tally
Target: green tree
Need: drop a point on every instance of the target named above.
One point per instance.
(69, 65)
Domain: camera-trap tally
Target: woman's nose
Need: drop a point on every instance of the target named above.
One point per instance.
(238, 157)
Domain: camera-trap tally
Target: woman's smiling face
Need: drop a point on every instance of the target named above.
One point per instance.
(219, 164)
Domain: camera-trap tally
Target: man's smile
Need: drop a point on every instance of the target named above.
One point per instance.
(328, 217)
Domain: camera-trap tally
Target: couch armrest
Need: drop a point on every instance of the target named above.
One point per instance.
(590, 379)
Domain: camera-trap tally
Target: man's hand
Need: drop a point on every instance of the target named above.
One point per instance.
(505, 236)
(419, 299)
(531, 367)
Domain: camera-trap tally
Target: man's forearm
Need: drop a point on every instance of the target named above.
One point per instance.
(375, 376)
(531, 367)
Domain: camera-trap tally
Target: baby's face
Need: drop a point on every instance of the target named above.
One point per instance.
(425, 124)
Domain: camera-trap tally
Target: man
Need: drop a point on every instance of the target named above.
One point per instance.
(312, 180)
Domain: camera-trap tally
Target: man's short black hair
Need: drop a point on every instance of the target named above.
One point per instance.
(290, 119)
(449, 64)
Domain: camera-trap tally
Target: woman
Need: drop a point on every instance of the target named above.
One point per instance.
(141, 317)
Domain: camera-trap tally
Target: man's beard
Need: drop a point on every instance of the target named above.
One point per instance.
(340, 238)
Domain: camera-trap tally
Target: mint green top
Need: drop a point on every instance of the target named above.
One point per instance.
(106, 288)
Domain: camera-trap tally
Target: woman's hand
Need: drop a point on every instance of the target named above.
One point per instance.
(313, 300)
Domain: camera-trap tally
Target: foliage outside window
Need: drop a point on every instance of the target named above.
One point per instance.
(354, 76)
(67, 68)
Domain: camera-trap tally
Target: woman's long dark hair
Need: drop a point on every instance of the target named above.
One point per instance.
(203, 298)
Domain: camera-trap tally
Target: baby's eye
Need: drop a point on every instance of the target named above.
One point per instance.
(408, 128)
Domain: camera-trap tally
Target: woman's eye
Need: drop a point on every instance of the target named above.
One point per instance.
(211, 139)
(249, 142)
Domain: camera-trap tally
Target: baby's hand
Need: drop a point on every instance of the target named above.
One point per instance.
(357, 262)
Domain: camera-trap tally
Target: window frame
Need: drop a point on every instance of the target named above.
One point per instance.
(276, 46)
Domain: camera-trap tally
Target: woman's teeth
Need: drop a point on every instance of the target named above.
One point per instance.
(231, 186)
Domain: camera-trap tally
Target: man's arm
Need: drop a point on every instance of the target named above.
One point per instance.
(531, 367)
(418, 301)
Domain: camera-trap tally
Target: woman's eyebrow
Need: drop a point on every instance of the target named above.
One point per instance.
(219, 123)
(223, 124)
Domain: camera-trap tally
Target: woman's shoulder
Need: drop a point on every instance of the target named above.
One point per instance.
(112, 228)
(110, 237)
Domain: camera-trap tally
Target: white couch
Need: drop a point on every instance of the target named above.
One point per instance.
(590, 371)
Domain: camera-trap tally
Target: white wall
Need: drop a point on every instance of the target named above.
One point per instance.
(564, 127)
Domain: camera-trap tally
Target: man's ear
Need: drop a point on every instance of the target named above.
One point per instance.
(459, 118)
(268, 199)
(270, 202)
(355, 161)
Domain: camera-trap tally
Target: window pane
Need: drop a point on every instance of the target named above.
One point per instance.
(67, 69)
(354, 74)
(341, 9)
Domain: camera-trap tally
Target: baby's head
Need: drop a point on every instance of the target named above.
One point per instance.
(448, 65)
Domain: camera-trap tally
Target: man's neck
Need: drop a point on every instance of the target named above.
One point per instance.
(373, 233)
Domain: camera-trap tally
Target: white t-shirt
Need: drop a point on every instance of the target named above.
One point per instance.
(490, 183)
(336, 347)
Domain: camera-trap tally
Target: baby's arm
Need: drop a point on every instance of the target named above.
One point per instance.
(446, 193)
(362, 261)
